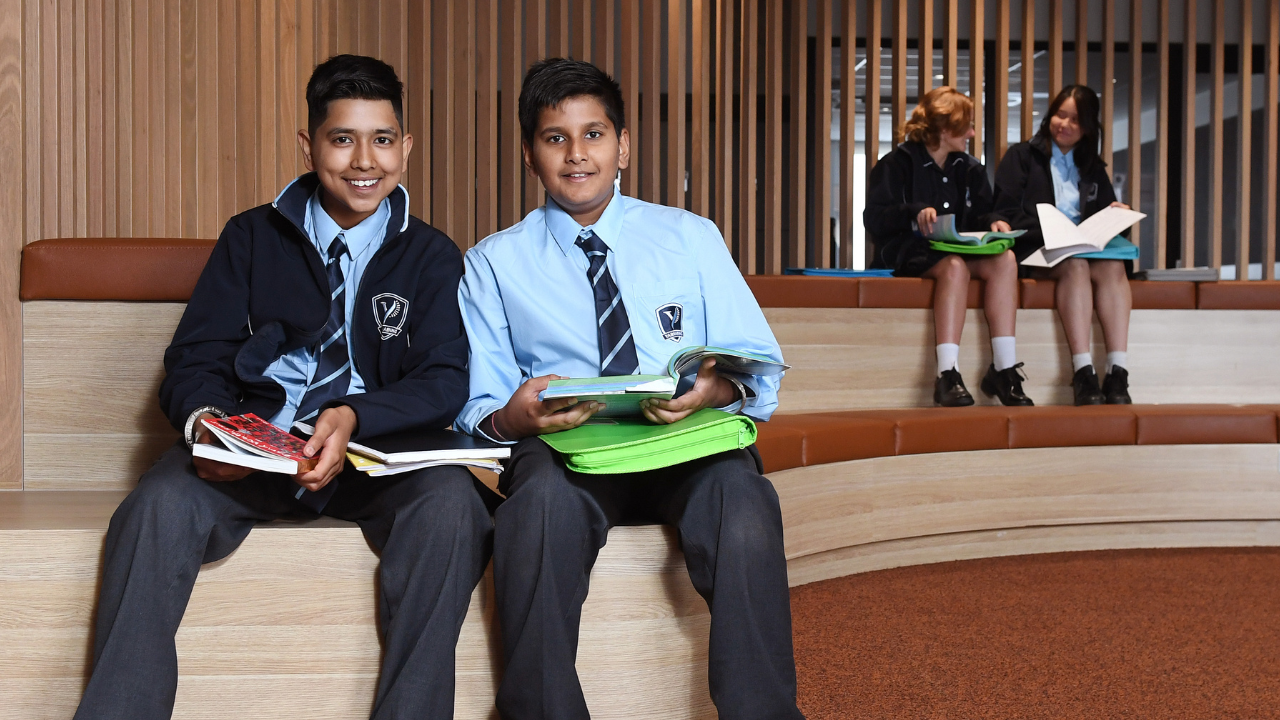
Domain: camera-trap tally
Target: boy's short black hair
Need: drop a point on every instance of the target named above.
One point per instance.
(552, 81)
(352, 77)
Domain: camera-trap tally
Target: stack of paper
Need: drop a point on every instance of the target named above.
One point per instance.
(416, 449)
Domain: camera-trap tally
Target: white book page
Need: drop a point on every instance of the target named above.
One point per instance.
(1107, 223)
(1057, 228)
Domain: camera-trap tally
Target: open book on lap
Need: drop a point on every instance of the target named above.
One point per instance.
(1097, 234)
(621, 395)
(249, 441)
(416, 449)
(944, 231)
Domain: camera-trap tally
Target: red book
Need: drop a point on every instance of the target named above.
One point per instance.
(251, 434)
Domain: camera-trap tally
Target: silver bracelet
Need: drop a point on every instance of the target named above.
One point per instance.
(742, 393)
(188, 433)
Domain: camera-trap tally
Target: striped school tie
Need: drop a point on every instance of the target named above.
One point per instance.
(332, 377)
(617, 346)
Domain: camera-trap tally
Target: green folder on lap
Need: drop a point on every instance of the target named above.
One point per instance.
(636, 445)
(995, 247)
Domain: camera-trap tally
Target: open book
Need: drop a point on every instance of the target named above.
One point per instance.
(408, 450)
(621, 395)
(249, 441)
(1064, 239)
(944, 231)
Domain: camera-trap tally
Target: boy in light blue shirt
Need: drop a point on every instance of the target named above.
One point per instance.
(595, 283)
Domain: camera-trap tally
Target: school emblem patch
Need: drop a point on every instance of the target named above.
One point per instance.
(389, 311)
(671, 321)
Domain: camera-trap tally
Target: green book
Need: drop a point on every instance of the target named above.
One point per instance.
(944, 232)
(626, 446)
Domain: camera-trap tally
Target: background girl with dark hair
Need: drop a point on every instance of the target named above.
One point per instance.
(1060, 166)
(931, 175)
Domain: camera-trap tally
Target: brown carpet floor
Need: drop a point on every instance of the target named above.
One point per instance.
(1116, 634)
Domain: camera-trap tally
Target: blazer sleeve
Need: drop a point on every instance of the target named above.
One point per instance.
(433, 385)
(888, 213)
(1011, 183)
(200, 360)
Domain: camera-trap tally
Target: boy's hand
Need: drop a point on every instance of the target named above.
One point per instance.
(212, 470)
(709, 390)
(525, 415)
(334, 428)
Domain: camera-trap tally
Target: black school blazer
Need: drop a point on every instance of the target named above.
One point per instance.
(264, 292)
(1023, 180)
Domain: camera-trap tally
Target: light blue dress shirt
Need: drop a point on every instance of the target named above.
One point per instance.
(529, 309)
(1066, 182)
(294, 370)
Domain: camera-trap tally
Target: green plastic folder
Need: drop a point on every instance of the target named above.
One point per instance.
(995, 247)
(629, 445)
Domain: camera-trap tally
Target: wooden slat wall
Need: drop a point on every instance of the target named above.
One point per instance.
(164, 117)
(1272, 145)
(1162, 137)
(1108, 72)
(848, 91)
(1244, 141)
(1189, 135)
(1216, 112)
(1133, 195)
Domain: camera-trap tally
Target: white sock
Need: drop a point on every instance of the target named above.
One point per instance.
(948, 356)
(1119, 358)
(1080, 360)
(1004, 352)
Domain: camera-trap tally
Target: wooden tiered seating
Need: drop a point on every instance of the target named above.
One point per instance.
(866, 480)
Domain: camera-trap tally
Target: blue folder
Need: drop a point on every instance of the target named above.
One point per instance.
(1117, 249)
(838, 272)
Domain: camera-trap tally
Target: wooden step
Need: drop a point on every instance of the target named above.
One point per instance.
(285, 626)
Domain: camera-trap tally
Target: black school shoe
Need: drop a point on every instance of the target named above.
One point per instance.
(1006, 384)
(949, 390)
(1085, 384)
(1116, 387)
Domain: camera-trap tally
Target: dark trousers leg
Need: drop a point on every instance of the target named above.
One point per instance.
(158, 538)
(546, 538)
(435, 534)
(731, 534)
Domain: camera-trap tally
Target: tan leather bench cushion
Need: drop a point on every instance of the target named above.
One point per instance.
(1205, 424)
(906, 293)
(1147, 295)
(934, 430)
(785, 291)
(113, 269)
(813, 439)
(1251, 295)
(1056, 426)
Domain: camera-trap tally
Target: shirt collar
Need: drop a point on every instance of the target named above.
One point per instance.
(566, 231)
(1067, 159)
(323, 229)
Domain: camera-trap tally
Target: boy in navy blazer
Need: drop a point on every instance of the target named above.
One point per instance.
(331, 305)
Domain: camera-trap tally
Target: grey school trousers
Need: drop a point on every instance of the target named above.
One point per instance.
(550, 529)
(432, 528)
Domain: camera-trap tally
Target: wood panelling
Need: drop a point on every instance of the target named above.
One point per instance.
(864, 358)
(1271, 95)
(1162, 135)
(1026, 84)
(12, 208)
(1133, 193)
(1189, 135)
(821, 202)
(1244, 141)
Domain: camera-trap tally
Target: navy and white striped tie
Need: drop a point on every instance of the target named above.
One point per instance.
(332, 377)
(617, 346)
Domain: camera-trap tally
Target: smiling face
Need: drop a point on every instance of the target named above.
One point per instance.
(576, 152)
(359, 152)
(1064, 126)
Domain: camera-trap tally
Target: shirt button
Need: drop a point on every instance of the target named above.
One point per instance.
(944, 179)
(946, 205)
